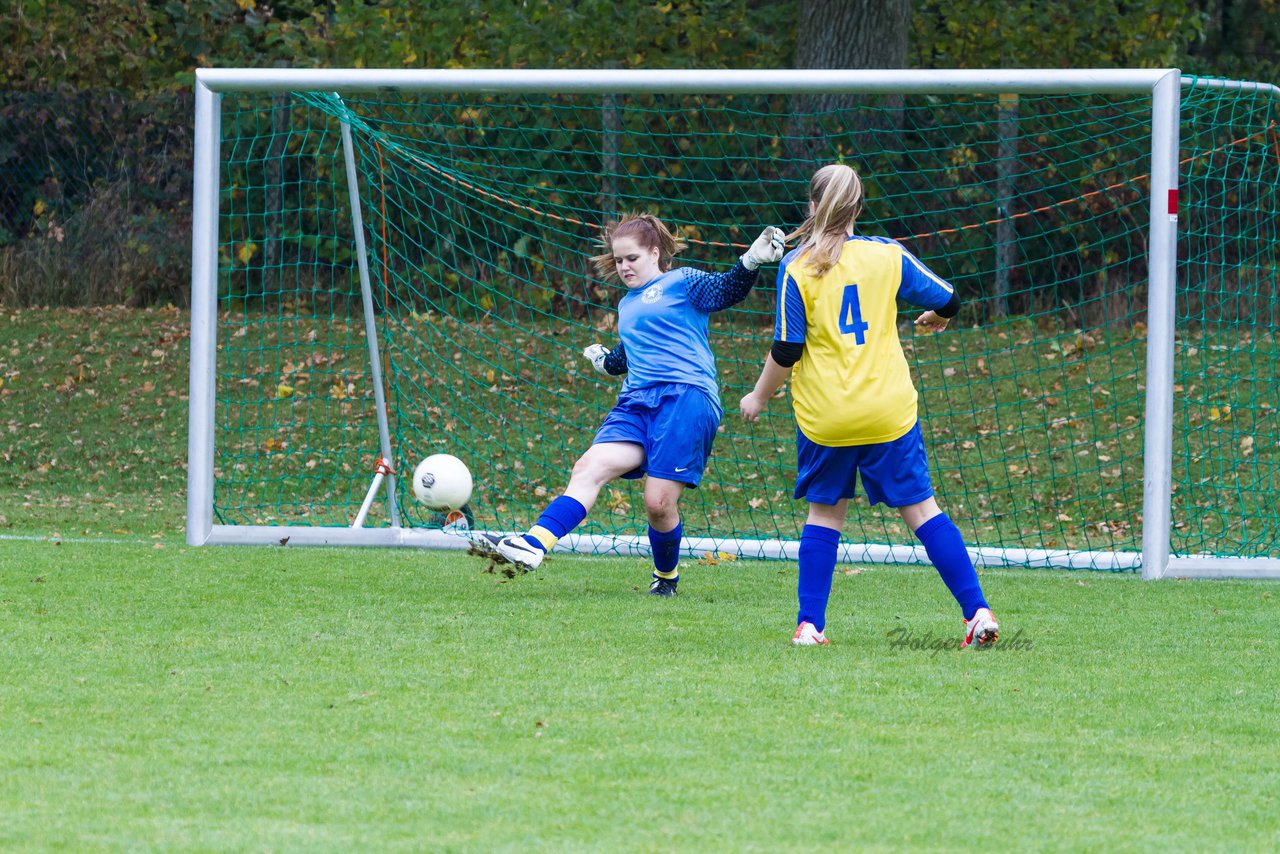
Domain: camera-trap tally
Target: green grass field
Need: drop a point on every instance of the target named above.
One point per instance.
(164, 698)
(159, 697)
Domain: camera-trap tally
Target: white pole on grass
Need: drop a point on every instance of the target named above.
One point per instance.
(383, 466)
(1162, 259)
(204, 315)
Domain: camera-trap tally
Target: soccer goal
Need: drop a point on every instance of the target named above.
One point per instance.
(388, 264)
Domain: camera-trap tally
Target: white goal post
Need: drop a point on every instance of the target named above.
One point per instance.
(1164, 88)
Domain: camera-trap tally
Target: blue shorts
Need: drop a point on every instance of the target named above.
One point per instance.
(675, 423)
(894, 473)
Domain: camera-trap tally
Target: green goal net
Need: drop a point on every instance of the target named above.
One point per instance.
(479, 212)
(1226, 452)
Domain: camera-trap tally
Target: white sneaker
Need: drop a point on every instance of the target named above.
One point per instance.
(807, 635)
(518, 550)
(981, 630)
(514, 549)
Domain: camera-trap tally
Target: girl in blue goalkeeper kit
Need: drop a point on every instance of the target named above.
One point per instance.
(854, 401)
(669, 409)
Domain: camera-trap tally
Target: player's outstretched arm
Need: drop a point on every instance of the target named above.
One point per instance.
(612, 362)
(767, 249)
(772, 376)
(716, 291)
(922, 287)
(931, 322)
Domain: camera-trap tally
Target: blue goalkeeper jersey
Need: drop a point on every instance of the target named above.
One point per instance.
(664, 327)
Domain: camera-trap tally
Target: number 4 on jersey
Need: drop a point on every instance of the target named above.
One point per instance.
(851, 321)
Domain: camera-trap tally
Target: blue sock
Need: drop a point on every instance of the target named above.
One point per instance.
(817, 564)
(666, 550)
(561, 516)
(945, 546)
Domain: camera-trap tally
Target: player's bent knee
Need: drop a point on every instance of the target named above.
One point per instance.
(661, 502)
(582, 467)
(659, 506)
(917, 514)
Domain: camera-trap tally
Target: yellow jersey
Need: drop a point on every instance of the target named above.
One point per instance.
(852, 385)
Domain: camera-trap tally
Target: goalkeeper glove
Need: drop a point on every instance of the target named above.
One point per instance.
(595, 354)
(767, 249)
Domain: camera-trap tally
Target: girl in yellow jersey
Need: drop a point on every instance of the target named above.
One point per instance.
(855, 404)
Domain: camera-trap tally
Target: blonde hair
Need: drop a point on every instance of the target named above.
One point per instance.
(646, 230)
(836, 194)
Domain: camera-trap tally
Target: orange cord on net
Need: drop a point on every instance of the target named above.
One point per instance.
(1009, 217)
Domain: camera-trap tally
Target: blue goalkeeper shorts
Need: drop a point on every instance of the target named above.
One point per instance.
(675, 423)
(894, 473)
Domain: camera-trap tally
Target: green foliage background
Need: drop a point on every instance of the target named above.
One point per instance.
(95, 109)
(139, 47)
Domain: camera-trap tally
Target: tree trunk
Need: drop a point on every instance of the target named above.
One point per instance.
(845, 34)
(852, 33)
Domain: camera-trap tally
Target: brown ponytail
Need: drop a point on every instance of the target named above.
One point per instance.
(836, 194)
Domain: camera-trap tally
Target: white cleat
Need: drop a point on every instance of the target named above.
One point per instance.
(514, 550)
(982, 630)
(807, 635)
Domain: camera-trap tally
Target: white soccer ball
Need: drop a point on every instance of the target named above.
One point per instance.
(442, 482)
